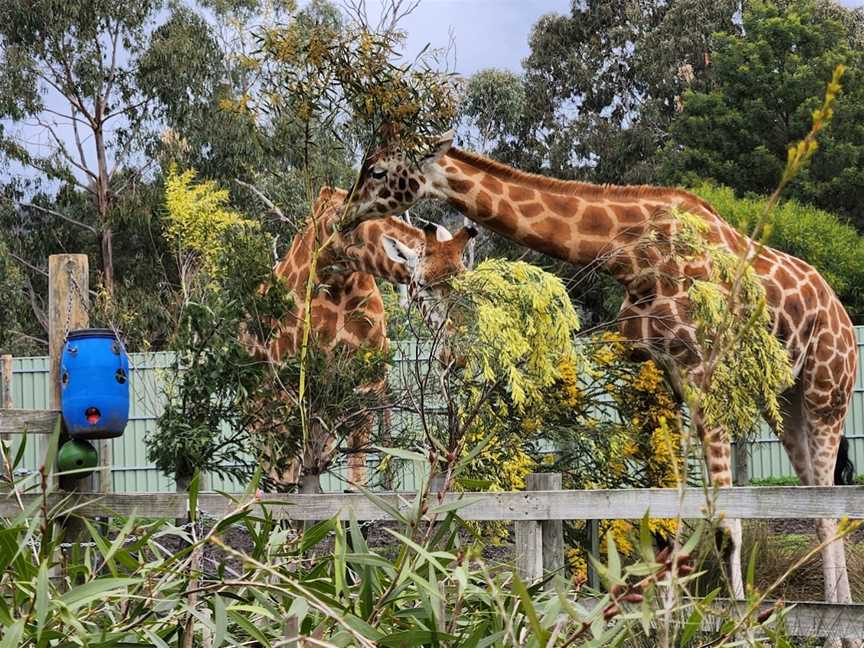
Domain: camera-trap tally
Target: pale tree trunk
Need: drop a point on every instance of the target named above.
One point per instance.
(310, 484)
(103, 197)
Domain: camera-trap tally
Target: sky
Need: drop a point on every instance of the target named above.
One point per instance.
(486, 33)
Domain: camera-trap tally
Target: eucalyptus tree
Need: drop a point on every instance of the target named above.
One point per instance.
(70, 95)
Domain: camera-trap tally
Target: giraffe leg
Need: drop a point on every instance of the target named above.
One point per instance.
(824, 440)
(358, 440)
(718, 458)
(811, 443)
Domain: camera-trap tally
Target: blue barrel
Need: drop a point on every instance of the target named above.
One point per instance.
(94, 374)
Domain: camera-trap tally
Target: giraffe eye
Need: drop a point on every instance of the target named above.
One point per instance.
(378, 174)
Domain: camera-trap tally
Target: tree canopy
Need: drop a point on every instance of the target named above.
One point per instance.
(761, 87)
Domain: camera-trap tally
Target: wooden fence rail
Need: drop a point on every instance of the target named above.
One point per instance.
(768, 503)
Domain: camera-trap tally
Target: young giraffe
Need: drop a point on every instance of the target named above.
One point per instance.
(347, 308)
(607, 226)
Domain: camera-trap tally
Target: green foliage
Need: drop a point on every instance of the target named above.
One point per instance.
(834, 248)
(765, 81)
(600, 86)
(229, 406)
(750, 366)
(133, 585)
(349, 81)
(13, 288)
(199, 218)
(516, 325)
(493, 103)
(206, 423)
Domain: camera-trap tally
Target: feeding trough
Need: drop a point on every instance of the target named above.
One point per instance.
(94, 374)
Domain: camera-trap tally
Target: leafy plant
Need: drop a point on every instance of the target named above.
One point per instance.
(133, 586)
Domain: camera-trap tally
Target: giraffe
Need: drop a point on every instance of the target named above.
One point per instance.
(605, 227)
(347, 307)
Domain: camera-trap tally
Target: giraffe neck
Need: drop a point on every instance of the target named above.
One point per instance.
(360, 251)
(578, 222)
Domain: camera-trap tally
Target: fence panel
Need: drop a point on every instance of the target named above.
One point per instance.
(132, 473)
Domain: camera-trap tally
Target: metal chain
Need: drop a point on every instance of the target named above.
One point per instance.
(68, 312)
(76, 289)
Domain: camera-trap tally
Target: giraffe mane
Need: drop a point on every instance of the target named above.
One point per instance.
(544, 183)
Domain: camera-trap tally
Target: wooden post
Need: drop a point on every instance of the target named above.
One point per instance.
(552, 531)
(6, 394)
(68, 304)
(529, 544)
(594, 532)
(742, 462)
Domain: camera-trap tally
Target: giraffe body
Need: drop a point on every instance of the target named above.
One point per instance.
(347, 308)
(606, 227)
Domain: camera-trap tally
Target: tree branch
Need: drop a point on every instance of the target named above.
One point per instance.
(66, 218)
(78, 142)
(115, 37)
(38, 311)
(61, 148)
(26, 263)
(263, 198)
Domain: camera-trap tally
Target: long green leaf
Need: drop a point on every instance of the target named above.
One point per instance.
(12, 636)
(408, 638)
(193, 495)
(403, 454)
(694, 621)
(221, 620)
(316, 534)
(84, 594)
(42, 599)
(421, 551)
(614, 559)
(249, 627)
(51, 450)
(528, 607)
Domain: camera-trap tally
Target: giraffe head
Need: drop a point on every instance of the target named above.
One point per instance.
(431, 261)
(390, 181)
(392, 249)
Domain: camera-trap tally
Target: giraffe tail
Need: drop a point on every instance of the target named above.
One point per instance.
(844, 469)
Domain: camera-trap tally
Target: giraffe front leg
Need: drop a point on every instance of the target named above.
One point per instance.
(358, 442)
(718, 459)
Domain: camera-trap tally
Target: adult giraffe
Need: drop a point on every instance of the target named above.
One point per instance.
(609, 226)
(347, 307)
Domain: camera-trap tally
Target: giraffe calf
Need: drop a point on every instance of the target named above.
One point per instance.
(347, 308)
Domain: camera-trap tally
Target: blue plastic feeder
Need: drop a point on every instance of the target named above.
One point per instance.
(94, 371)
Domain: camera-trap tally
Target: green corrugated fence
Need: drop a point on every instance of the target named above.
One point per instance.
(131, 472)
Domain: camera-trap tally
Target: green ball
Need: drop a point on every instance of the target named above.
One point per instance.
(76, 455)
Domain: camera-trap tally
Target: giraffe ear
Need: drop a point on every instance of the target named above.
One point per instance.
(439, 149)
(465, 234)
(398, 252)
(442, 234)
